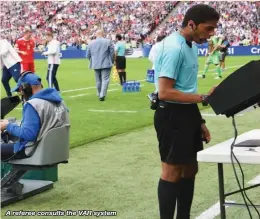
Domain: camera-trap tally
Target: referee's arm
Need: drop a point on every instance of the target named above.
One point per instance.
(171, 61)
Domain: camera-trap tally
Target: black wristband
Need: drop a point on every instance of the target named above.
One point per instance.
(204, 99)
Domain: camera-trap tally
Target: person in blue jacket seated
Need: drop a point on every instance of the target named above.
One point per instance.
(43, 109)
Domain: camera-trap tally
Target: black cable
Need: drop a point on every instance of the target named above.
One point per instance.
(243, 179)
(234, 169)
(243, 192)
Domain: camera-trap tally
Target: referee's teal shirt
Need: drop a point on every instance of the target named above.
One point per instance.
(176, 60)
(120, 48)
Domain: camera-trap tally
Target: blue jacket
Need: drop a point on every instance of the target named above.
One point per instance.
(31, 124)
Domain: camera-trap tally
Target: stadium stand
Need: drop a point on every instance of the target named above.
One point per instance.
(240, 21)
(17, 15)
(76, 22)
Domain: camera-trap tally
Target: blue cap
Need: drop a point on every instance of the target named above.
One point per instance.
(31, 79)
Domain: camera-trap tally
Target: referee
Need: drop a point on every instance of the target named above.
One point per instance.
(53, 54)
(177, 120)
(223, 52)
(120, 58)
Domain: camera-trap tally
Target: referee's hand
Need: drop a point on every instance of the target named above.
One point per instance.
(3, 124)
(205, 133)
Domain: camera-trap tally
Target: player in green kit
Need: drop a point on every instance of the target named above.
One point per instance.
(213, 56)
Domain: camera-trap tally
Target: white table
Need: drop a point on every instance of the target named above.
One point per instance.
(221, 153)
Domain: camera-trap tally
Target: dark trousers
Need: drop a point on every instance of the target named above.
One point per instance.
(7, 74)
(51, 76)
(7, 151)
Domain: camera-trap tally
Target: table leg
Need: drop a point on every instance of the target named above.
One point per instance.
(221, 191)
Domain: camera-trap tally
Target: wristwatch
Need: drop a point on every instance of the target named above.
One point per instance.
(204, 99)
(203, 121)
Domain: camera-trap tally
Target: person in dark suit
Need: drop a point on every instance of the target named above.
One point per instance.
(100, 52)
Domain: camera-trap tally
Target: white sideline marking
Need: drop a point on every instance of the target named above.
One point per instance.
(235, 66)
(211, 212)
(211, 114)
(87, 88)
(255, 181)
(112, 111)
(80, 95)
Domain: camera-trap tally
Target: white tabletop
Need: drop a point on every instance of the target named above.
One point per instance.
(220, 153)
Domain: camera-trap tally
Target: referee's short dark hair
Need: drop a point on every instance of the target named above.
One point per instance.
(200, 13)
(119, 37)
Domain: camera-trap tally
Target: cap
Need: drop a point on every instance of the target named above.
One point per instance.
(30, 78)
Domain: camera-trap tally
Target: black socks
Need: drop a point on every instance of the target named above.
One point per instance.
(167, 195)
(122, 77)
(169, 192)
(184, 201)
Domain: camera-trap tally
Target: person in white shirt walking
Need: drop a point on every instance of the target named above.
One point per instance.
(10, 63)
(154, 52)
(53, 54)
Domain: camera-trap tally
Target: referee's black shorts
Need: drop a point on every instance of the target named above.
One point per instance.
(120, 62)
(178, 128)
(223, 56)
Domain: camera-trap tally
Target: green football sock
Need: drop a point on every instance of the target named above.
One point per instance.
(206, 68)
(219, 71)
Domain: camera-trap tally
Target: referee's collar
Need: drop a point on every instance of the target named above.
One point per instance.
(189, 43)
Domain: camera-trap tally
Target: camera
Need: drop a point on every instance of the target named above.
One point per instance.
(153, 97)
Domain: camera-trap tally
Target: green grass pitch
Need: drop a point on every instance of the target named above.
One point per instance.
(120, 173)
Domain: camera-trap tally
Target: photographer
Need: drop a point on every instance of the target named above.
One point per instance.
(43, 110)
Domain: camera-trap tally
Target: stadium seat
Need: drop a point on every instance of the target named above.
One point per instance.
(50, 151)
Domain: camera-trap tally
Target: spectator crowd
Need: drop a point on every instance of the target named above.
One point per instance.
(239, 20)
(76, 22)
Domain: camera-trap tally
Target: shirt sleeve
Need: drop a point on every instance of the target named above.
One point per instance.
(4, 48)
(170, 62)
(30, 126)
(17, 44)
(111, 50)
